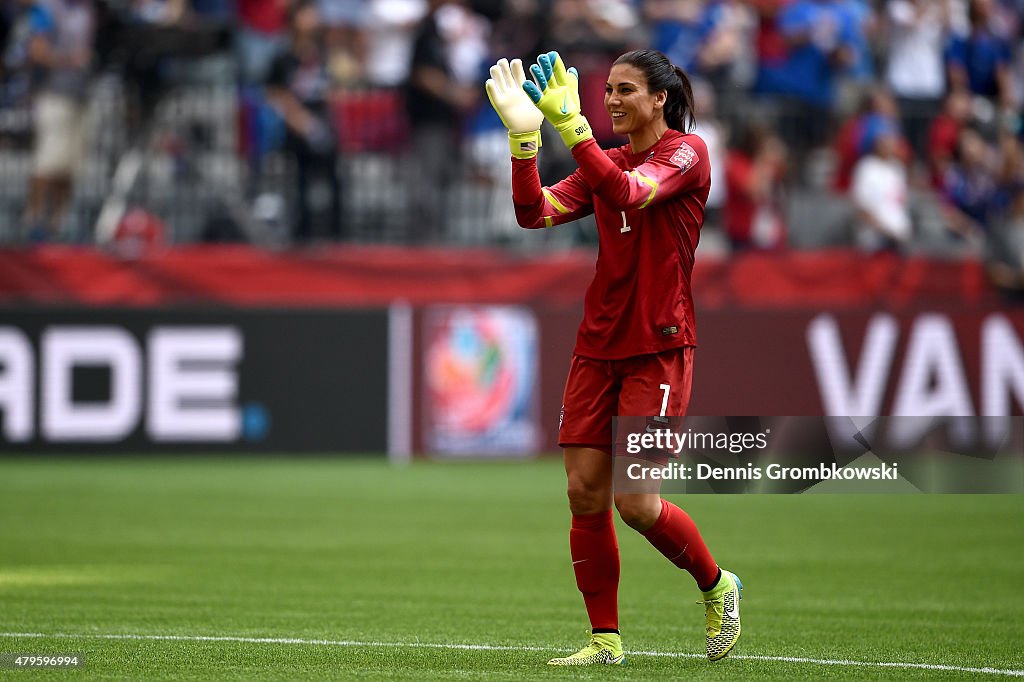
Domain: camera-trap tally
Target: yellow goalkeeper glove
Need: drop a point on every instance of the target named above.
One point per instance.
(523, 120)
(556, 93)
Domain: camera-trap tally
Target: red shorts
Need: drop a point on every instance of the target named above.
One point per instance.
(642, 386)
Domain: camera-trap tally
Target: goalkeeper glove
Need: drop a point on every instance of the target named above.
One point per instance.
(557, 94)
(523, 120)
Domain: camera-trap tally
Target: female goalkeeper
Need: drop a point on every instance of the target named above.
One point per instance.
(634, 350)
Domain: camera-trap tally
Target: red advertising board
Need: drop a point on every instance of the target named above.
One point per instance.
(915, 361)
(794, 334)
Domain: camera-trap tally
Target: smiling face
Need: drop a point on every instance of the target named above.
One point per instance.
(633, 109)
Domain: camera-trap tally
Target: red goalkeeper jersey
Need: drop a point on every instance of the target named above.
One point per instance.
(649, 209)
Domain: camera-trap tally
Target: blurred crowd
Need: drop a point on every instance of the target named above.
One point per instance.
(890, 105)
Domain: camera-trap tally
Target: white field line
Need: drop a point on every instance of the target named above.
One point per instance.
(499, 647)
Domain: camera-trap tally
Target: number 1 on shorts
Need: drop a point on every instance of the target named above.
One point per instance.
(664, 398)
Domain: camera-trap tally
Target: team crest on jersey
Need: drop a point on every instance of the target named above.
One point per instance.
(684, 157)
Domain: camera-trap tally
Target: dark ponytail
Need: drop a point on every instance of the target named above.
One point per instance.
(661, 74)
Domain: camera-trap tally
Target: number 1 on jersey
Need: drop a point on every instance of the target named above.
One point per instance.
(664, 399)
(625, 227)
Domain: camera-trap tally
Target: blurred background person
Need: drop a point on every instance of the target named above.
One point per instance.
(714, 134)
(877, 106)
(391, 29)
(344, 26)
(810, 50)
(515, 28)
(687, 31)
(298, 88)
(149, 36)
(1011, 156)
(879, 191)
(754, 172)
(20, 23)
(59, 56)
(944, 134)
(971, 186)
(980, 61)
(447, 59)
(916, 75)
(261, 33)
(711, 39)
(1005, 248)
(857, 21)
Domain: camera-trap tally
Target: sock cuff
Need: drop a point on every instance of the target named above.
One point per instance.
(605, 631)
(717, 585)
(596, 521)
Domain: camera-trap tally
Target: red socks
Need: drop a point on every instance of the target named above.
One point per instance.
(675, 535)
(595, 561)
(595, 557)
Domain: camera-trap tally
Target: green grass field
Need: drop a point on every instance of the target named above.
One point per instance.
(358, 570)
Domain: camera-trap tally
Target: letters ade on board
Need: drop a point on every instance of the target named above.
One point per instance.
(207, 380)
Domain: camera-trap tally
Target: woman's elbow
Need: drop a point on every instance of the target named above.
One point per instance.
(529, 222)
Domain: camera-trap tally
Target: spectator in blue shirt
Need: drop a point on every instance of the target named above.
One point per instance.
(815, 52)
(981, 61)
(805, 79)
(971, 186)
(680, 29)
(855, 21)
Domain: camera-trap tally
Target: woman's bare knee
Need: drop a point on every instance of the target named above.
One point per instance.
(638, 511)
(589, 480)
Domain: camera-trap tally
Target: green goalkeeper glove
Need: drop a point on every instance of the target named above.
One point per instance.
(523, 120)
(557, 94)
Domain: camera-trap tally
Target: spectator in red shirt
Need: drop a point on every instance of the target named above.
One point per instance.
(944, 134)
(754, 171)
(634, 351)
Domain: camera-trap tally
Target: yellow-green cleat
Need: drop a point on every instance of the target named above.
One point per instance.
(605, 648)
(722, 615)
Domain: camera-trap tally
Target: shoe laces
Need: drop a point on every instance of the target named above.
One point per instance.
(590, 650)
(592, 647)
(714, 611)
